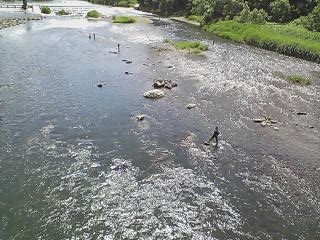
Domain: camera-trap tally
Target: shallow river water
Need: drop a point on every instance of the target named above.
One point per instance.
(76, 164)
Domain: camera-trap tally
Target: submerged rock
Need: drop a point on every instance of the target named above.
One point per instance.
(301, 113)
(140, 117)
(266, 121)
(258, 120)
(100, 85)
(191, 105)
(263, 124)
(155, 93)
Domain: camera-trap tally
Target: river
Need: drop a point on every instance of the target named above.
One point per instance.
(76, 164)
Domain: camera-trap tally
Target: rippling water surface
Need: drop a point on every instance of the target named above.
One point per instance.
(75, 163)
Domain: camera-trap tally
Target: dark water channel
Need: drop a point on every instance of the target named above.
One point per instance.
(76, 164)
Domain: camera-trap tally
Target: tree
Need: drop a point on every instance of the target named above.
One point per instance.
(254, 16)
(304, 6)
(245, 14)
(314, 18)
(281, 11)
(232, 8)
(258, 16)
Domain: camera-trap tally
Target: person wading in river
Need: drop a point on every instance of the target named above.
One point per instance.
(215, 135)
(118, 47)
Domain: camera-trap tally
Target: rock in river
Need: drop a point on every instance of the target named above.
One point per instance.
(258, 120)
(191, 105)
(160, 83)
(154, 93)
(301, 113)
(140, 117)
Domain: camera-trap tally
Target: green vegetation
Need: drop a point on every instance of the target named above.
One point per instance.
(123, 19)
(45, 10)
(254, 16)
(303, 81)
(192, 47)
(195, 18)
(93, 14)
(286, 39)
(311, 21)
(116, 3)
(63, 12)
(212, 10)
(289, 27)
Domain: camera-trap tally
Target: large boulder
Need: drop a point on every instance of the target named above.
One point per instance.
(154, 93)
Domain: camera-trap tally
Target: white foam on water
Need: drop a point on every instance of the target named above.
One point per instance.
(244, 72)
(171, 204)
(138, 33)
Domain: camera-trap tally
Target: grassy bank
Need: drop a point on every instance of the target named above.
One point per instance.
(45, 10)
(293, 78)
(287, 39)
(93, 14)
(191, 47)
(186, 20)
(123, 19)
(63, 12)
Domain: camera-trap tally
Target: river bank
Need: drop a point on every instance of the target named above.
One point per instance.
(11, 21)
(285, 39)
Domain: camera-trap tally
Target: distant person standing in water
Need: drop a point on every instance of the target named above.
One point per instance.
(89, 35)
(94, 36)
(215, 135)
(118, 47)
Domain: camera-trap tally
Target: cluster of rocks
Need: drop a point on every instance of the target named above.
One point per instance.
(156, 92)
(266, 121)
(14, 21)
(126, 61)
(160, 83)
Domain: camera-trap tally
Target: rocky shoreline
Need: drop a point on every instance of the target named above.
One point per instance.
(6, 22)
